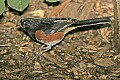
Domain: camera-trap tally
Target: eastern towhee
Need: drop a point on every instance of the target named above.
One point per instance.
(51, 31)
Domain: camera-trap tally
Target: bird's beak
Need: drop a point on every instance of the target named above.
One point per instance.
(19, 26)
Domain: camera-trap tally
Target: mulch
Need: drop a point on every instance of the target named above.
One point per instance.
(82, 55)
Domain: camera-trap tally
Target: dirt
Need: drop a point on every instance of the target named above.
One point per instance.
(82, 55)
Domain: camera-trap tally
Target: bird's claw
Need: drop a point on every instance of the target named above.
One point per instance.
(46, 48)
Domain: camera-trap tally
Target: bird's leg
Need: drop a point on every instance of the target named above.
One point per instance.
(42, 49)
(39, 54)
(46, 48)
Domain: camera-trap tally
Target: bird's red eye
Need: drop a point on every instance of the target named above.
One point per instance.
(26, 23)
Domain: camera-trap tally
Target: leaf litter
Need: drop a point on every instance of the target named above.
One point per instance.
(84, 55)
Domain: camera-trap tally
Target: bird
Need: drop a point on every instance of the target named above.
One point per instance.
(51, 31)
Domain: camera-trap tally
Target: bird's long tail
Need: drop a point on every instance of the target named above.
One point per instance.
(89, 22)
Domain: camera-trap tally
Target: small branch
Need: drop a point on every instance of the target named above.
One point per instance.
(116, 4)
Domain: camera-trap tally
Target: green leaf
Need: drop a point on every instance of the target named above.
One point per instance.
(2, 6)
(52, 0)
(18, 5)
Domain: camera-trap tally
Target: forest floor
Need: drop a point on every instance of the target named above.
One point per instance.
(82, 55)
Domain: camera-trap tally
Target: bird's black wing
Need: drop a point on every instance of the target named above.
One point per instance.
(52, 25)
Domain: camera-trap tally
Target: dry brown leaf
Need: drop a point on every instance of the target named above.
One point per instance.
(11, 62)
(63, 76)
(3, 52)
(102, 50)
(54, 60)
(52, 52)
(92, 48)
(9, 24)
(75, 72)
(105, 62)
(71, 48)
(39, 13)
(105, 33)
(25, 49)
(98, 5)
(58, 8)
(75, 7)
(37, 67)
(116, 70)
(87, 8)
(24, 44)
(103, 77)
